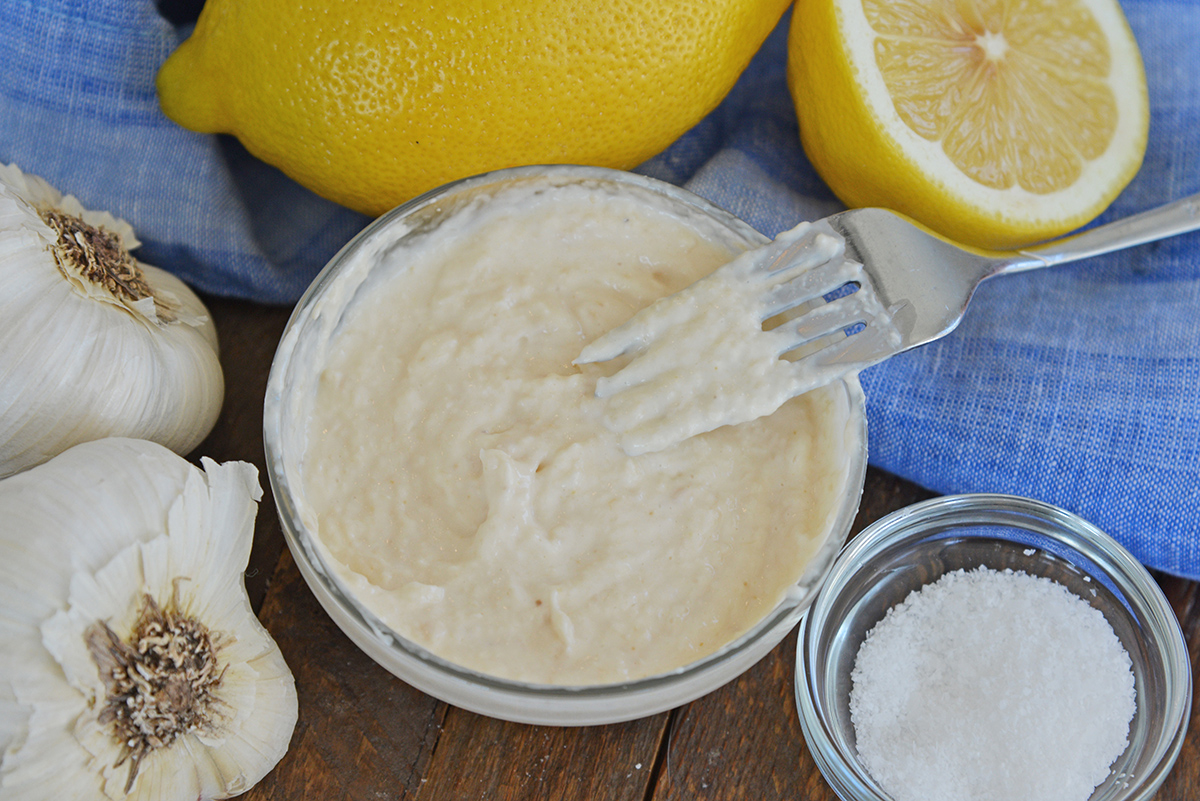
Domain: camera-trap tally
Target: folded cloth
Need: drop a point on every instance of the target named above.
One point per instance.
(78, 107)
(1076, 385)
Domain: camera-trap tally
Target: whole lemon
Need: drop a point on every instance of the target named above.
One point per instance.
(371, 102)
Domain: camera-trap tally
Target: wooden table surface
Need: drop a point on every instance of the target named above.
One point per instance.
(364, 734)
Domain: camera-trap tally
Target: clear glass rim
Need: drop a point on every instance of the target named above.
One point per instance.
(843, 773)
(786, 614)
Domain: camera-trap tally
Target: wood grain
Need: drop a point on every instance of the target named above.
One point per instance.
(478, 757)
(365, 734)
(248, 335)
(362, 733)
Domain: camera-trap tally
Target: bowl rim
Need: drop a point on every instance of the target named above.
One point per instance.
(524, 701)
(844, 774)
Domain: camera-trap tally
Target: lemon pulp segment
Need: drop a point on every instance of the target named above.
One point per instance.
(1014, 100)
(995, 122)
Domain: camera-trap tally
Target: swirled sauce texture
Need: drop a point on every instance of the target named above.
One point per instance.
(463, 479)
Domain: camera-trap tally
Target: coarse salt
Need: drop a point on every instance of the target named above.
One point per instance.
(991, 685)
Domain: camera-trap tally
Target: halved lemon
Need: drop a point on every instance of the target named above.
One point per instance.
(995, 122)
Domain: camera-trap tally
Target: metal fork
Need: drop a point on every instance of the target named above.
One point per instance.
(894, 285)
(927, 280)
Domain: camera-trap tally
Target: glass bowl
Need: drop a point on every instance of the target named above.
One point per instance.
(917, 545)
(292, 387)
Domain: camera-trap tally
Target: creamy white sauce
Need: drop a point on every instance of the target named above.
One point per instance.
(719, 353)
(459, 472)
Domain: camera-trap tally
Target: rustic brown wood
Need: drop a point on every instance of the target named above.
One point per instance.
(742, 741)
(364, 734)
(248, 334)
(1184, 781)
(478, 757)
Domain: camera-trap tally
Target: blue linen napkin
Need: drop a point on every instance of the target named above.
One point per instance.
(1076, 385)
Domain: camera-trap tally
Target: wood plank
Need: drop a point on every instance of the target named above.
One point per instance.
(362, 732)
(248, 334)
(743, 741)
(479, 757)
(1184, 782)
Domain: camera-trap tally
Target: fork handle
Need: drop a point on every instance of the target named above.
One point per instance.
(1178, 217)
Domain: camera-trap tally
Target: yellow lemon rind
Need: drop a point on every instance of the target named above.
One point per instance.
(374, 105)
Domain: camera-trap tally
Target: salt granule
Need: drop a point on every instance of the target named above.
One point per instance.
(991, 685)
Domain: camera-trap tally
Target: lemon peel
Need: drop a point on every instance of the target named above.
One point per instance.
(371, 103)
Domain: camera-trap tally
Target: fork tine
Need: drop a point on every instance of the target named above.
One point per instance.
(811, 284)
(645, 368)
(876, 341)
(797, 250)
(873, 344)
(829, 318)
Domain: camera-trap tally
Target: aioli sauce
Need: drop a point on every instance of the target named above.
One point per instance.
(461, 476)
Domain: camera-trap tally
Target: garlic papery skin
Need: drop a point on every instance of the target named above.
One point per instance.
(91, 543)
(92, 342)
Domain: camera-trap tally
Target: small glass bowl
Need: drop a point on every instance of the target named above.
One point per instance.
(917, 545)
(291, 389)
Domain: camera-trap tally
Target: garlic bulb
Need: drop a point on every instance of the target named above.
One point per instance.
(93, 343)
(131, 664)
